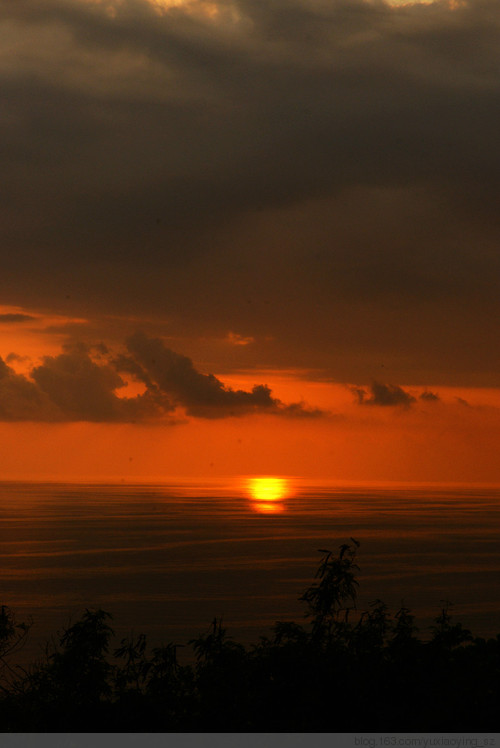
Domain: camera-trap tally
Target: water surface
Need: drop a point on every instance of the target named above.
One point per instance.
(165, 560)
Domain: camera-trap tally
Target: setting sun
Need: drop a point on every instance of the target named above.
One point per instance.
(268, 493)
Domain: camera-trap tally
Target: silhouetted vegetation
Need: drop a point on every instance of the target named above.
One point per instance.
(341, 671)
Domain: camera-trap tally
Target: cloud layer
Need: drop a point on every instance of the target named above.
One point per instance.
(321, 173)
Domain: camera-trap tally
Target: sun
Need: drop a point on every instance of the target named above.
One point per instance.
(267, 489)
(267, 493)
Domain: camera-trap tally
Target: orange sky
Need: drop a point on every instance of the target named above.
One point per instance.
(408, 448)
(451, 437)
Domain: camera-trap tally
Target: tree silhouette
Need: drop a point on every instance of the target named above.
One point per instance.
(343, 670)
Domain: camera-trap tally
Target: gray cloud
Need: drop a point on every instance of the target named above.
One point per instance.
(429, 396)
(22, 400)
(384, 395)
(72, 387)
(202, 395)
(80, 388)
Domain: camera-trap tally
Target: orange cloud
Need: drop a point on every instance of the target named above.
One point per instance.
(234, 339)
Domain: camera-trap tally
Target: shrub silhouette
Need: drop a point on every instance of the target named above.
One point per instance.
(328, 600)
(341, 671)
(71, 686)
(13, 637)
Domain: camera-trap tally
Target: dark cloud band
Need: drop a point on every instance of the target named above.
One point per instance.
(73, 386)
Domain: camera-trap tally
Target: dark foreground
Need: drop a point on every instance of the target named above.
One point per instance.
(342, 671)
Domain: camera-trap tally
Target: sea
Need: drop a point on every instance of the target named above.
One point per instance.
(166, 559)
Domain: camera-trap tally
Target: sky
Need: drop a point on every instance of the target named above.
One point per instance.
(245, 237)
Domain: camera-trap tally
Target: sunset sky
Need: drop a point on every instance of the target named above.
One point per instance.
(244, 237)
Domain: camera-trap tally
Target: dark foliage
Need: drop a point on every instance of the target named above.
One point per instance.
(344, 671)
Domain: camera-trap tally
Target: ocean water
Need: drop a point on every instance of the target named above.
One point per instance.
(166, 559)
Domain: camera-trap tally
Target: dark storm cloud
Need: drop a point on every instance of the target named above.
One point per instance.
(328, 171)
(74, 386)
(384, 395)
(80, 388)
(22, 400)
(202, 395)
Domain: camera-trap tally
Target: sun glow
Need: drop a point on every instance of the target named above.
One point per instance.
(267, 494)
(201, 7)
(452, 4)
(205, 8)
